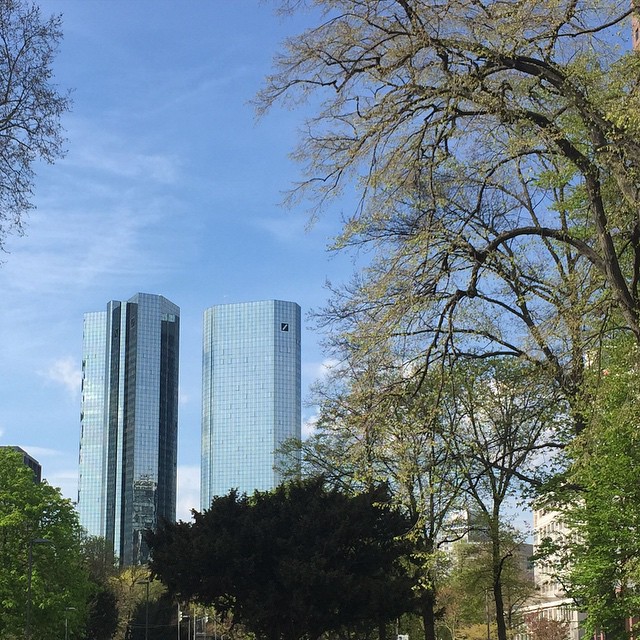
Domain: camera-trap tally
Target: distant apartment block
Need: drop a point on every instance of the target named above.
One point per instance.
(462, 526)
(129, 421)
(30, 462)
(551, 602)
(251, 394)
(466, 529)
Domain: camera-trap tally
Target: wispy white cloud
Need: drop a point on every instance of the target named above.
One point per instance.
(121, 164)
(64, 479)
(164, 179)
(101, 231)
(41, 453)
(320, 370)
(285, 228)
(309, 426)
(99, 150)
(65, 371)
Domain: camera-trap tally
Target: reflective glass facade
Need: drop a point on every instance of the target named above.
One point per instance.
(251, 394)
(129, 421)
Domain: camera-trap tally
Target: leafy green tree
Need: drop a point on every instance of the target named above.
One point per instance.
(103, 614)
(102, 604)
(495, 150)
(365, 436)
(293, 563)
(470, 440)
(30, 105)
(503, 420)
(43, 577)
(161, 620)
(135, 589)
(597, 560)
(469, 586)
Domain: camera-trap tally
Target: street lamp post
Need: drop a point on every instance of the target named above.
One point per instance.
(66, 621)
(33, 541)
(486, 604)
(146, 613)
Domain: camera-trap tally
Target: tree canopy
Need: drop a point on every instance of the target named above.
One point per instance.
(31, 105)
(467, 606)
(292, 563)
(469, 442)
(40, 544)
(597, 558)
(102, 611)
(364, 436)
(495, 149)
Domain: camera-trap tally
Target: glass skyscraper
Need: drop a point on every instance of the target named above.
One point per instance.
(129, 421)
(251, 394)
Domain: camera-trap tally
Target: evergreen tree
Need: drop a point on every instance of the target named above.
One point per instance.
(292, 563)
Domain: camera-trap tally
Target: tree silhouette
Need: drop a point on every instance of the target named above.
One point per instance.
(292, 563)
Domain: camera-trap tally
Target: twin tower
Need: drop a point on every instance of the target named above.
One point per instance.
(251, 403)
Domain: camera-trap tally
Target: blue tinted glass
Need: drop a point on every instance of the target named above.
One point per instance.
(251, 394)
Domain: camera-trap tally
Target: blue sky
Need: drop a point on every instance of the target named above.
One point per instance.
(171, 186)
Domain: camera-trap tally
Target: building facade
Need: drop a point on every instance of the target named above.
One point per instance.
(550, 601)
(129, 421)
(250, 394)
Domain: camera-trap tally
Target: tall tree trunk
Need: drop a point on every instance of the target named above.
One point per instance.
(382, 631)
(428, 614)
(497, 563)
(499, 602)
(618, 629)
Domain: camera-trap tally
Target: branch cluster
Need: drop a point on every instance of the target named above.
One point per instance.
(30, 106)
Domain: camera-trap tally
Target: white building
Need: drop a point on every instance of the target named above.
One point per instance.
(551, 602)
